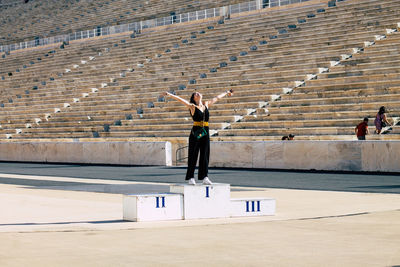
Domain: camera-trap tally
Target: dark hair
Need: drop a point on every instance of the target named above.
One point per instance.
(382, 110)
(192, 99)
(285, 137)
(366, 119)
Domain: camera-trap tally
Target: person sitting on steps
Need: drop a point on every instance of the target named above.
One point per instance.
(381, 120)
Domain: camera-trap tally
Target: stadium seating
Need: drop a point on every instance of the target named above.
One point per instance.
(47, 18)
(330, 106)
(308, 69)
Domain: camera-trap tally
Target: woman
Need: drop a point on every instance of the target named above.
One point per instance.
(381, 120)
(199, 139)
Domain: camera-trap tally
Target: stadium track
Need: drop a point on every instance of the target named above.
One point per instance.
(324, 181)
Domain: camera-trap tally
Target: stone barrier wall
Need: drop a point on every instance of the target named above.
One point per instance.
(126, 153)
(383, 156)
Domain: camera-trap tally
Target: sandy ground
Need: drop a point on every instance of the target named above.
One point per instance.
(55, 227)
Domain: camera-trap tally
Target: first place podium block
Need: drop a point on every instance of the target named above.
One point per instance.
(204, 201)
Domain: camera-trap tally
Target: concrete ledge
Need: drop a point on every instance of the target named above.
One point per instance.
(382, 156)
(125, 153)
(372, 156)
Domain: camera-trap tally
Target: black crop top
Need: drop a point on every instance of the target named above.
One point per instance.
(198, 115)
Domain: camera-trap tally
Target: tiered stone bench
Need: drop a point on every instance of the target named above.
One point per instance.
(116, 95)
(22, 22)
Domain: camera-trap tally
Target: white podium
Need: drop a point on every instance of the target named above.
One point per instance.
(153, 207)
(204, 201)
(244, 207)
(194, 202)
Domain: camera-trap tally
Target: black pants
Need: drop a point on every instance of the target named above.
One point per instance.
(196, 145)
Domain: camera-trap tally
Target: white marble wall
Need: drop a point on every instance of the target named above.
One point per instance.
(381, 156)
(319, 155)
(132, 153)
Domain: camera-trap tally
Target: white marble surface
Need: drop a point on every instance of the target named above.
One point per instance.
(133, 153)
(153, 207)
(231, 154)
(307, 155)
(204, 201)
(63, 152)
(259, 155)
(383, 157)
(319, 155)
(344, 155)
(249, 207)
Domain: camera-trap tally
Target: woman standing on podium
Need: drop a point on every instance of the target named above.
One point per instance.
(199, 139)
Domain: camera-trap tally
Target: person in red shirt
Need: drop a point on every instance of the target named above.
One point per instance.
(362, 129)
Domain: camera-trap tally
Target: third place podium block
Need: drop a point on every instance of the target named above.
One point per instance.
(204, 201)
(247, 207)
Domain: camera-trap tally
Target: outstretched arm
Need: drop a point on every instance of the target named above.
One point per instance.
(183, 101)
(180, 99)
(218, 97)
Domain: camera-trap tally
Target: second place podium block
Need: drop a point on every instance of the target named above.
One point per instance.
(153, 207)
